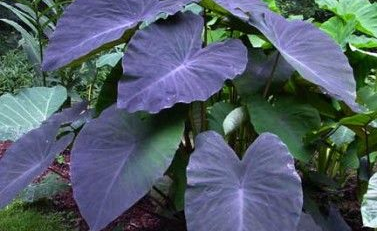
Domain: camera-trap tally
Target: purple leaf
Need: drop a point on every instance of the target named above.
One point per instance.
(312, 53)
(29, 157)
(240, 8)
(262, 192)
(87, 25)
(307, 223)
(259, 71)
(69, 115)
(308, 49)
(165, 65)
(117, 158)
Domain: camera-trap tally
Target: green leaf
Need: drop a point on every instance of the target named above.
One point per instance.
(360, 120)
(109, 91)
(234, 120)
(369, 205)
(288, 119)
(353, 48)
(50, 186)
(110, 59)
(30, 43)
(27, 110)
(342, 135)
(339, 30)
(327, 4)
(177, 172)
(217, 35)
(367, 96)
(25, 18)
(362, 41)
(217, 115)
(364, 12)
(350, 160)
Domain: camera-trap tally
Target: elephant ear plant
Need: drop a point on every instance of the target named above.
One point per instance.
(154, 105)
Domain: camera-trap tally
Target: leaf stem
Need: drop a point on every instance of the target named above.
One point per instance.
(40, 43)
(269, 81)
(365, 129)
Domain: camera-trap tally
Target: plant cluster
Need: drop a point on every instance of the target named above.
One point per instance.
(250, 114)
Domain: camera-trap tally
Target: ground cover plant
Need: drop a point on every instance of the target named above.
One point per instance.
(257, 121)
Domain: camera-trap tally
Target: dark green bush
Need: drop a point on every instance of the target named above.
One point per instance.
(15, 72)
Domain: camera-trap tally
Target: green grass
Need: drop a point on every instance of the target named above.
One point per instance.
(18, 217)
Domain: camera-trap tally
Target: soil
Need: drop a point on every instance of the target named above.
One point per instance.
(144, 215)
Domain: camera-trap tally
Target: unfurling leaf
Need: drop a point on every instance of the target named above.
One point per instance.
(117, 158)
(175, 67)
(88, 25)
(261, 192)
(234, 120)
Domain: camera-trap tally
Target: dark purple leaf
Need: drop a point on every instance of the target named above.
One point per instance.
(165, 64)
(69, 115)
(88, 25)
(117, 158)
(312, 53)
(262, 192)
(309, 50)
(259, 71)
(27, 158)
(307, 223)
(240, 8)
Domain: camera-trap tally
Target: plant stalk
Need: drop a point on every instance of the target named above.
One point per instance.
(269, 81)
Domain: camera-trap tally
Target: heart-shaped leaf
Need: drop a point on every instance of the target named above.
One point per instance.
(309, 50)
(262, 192)
(88, 25)
(288, 119)
(21, 113)
(27, 158)
(312, 53)
(117, 158)
(175, 67)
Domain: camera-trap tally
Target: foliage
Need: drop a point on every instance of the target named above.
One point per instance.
(28, 109)
(51, 185)
(281, 94)
(17, 217)
(15, 72)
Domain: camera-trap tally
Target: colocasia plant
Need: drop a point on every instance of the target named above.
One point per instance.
(182, 91)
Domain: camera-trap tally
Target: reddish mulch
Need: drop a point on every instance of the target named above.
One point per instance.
(4, 146)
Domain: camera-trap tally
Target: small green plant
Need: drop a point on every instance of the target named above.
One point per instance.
(18, 217)
(15, 72)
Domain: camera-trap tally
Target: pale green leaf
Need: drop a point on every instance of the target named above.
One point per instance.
(27, 110)
(369, 205)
